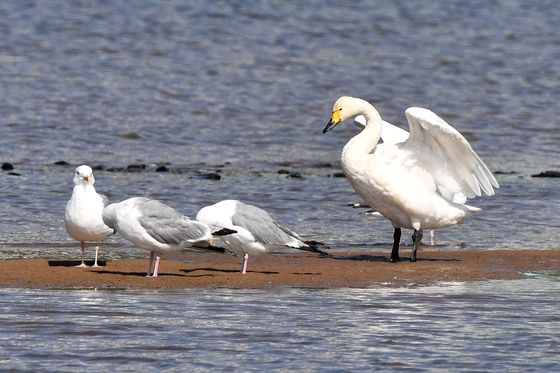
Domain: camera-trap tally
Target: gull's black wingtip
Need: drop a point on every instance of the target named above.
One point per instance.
(312, 247)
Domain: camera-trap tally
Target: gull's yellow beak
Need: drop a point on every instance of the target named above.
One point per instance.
(86, 178)
(335, 119)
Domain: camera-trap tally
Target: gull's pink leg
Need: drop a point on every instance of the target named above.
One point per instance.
(96, 252)
(433, 237)
(245, 260)
(156, 267)
(83, 265)
(150, 264)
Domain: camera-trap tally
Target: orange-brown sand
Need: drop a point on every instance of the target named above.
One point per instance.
(205, 270)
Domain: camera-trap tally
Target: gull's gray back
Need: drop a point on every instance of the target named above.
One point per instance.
(262, 226)
(168, 226)
(105, 199)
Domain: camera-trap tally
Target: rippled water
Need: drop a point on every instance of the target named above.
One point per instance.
(478, 326)
(243, 89)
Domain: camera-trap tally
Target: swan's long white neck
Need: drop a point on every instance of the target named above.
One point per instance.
(363, 143)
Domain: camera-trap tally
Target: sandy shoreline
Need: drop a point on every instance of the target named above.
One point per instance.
(204, 270)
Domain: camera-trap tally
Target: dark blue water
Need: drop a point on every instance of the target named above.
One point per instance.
(242, 90)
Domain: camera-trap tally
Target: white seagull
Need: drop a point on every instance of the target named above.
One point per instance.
(421, 183)
(82, 217)
(390, 134)
(154, 226)
(257, 232)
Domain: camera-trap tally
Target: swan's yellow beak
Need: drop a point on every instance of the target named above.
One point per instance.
(335, 119)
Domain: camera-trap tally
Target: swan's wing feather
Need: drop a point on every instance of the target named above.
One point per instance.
(459, 172)
(390, 133)
(360, 121)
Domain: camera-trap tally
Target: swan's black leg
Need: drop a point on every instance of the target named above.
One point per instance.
(396, 242)
(416, 238)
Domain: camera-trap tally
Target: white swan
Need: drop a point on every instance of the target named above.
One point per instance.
(82, 217)
(393, 135)
(421, 183)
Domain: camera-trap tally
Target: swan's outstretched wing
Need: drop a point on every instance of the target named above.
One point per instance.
(459, 173)
(390, 133)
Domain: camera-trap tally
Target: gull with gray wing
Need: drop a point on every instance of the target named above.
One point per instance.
(156, 227)
(257, 232)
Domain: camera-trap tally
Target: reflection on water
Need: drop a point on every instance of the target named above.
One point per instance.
(494, 325)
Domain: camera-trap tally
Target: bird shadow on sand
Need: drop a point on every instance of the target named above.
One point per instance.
(359, 258)
(226, 271)
(75, 263)
(137, 274)
(385, 259)
(435, 260)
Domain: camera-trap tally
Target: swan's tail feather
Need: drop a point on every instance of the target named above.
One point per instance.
(473, 209)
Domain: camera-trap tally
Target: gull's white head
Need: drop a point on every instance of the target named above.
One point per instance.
(208, 216)
(84, 176)
(218, 215)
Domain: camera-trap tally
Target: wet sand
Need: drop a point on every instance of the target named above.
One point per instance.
(207, 270)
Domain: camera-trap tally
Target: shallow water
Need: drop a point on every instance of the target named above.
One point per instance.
(478, 326)
(244, 90)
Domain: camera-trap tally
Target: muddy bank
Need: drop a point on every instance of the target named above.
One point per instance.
(206, 270)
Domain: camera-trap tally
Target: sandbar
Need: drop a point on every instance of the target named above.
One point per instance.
(300, 270)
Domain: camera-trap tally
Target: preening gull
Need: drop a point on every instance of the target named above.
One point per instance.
(82, 217)
(257, 232)
(420, 183)
(154, 226)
